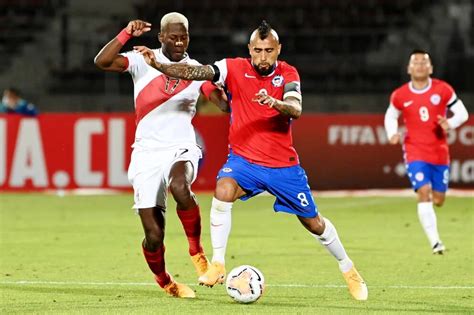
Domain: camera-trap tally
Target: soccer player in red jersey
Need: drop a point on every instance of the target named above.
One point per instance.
(424, 103)
(165, 154)
(264, 98)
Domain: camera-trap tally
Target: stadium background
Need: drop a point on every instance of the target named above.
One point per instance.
(350, 55)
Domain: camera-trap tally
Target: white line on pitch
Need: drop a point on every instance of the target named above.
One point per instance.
(26, 282)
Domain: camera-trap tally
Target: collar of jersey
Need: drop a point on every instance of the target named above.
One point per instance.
(162, 55)
(423, 90)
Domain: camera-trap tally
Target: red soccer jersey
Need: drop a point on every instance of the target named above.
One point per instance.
(258, 133)
(425, 140)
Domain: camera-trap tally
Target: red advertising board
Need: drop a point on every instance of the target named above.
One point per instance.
(340, 151)
(93, 151)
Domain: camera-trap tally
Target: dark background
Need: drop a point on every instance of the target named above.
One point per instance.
(350, 54)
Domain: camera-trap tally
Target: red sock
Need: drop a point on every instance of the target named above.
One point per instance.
(156, 262)
(191, 220)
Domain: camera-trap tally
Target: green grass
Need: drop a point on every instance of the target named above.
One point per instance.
(81, 255)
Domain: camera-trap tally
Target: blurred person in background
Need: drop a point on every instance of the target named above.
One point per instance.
(13, 103)
(165, 154)
(424, 103)
(265, 97)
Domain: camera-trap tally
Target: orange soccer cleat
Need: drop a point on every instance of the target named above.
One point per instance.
(214, 275)
(356, 284)
(179, 290)
(201, 263)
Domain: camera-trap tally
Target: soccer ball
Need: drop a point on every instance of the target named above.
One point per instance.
(245, 284)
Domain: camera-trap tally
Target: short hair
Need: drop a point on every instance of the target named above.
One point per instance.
(173, 17)
(263, 31)
(420, 51)
(13, 90)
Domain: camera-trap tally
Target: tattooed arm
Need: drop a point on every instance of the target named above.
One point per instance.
(177, 70)
(184, 71)
(290, 106)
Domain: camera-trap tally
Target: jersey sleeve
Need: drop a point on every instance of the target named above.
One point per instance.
(394, 101)
(135, 62)
(292, 84)
(449, 96)
(207, 88)
(222, 65)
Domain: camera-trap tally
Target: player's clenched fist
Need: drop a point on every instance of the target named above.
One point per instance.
(443, 122)
(137, 27)
(395, 139)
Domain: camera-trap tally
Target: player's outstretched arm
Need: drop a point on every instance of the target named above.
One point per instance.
(108, 58)
(177, 70)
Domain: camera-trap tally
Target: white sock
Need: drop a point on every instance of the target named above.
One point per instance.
(427, 217)
(221, 221)
(331, 241)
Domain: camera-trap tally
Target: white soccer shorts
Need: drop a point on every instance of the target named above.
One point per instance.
(149, 172)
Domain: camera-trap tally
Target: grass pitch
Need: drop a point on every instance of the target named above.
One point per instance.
(82, 255)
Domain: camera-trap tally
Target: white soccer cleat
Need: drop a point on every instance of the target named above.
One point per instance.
(439, 248)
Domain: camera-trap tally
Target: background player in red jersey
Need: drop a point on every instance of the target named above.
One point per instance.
(264, 98)
(165, 154)
(424, 103)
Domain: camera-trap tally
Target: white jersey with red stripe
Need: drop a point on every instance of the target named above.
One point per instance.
(164, 106)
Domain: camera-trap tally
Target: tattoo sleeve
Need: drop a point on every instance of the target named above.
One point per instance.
(186, 72)
(290, 106)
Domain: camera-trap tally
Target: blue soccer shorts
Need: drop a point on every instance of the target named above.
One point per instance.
(421, 173)
(288, 184)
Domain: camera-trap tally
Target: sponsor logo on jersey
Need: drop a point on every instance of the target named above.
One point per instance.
(249, 76)
(435, 99)
(227, 170)
(278, 81)
(406, 104)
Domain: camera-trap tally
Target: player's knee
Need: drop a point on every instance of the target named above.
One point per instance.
(424, 194)
(438, 201)
(153, 239)
(226, 190)
(181, 190)
(225, 193)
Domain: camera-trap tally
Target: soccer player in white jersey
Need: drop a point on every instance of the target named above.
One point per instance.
(165, 154)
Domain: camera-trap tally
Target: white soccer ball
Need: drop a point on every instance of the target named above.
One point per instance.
(245, 284)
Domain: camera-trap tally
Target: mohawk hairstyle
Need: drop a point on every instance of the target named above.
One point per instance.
(264, 29)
